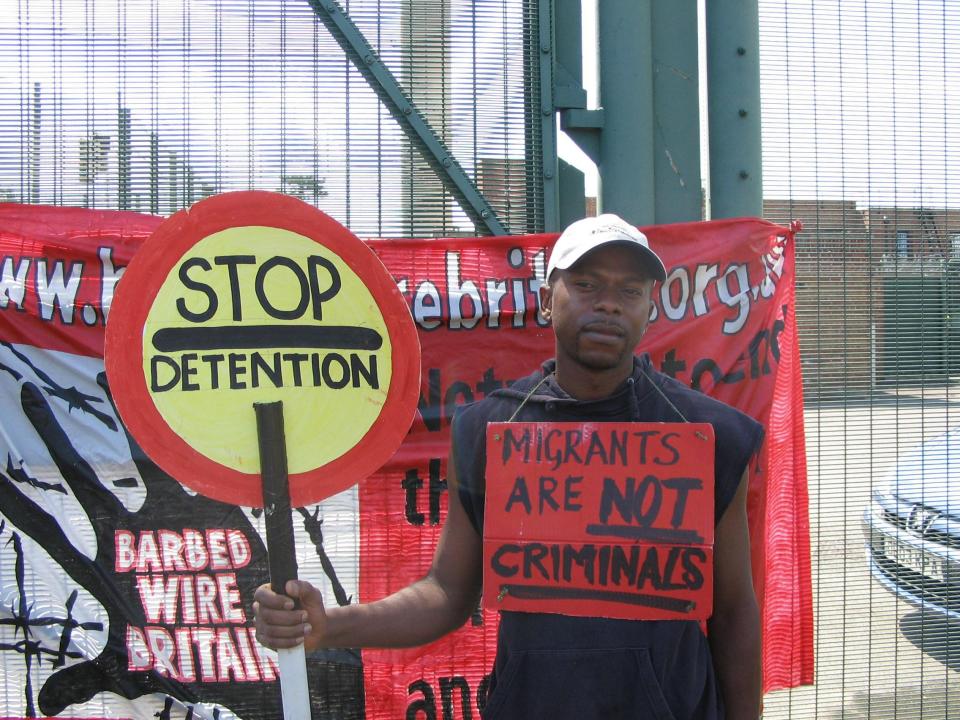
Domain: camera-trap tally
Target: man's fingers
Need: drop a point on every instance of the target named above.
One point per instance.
(282, 636)
(279, 628)
(267, 598)
(304, 592)
(281, 618)
(279, 624)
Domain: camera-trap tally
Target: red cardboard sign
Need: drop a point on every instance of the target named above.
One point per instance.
(600, 519)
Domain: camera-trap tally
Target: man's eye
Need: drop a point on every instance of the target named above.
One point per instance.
(633, 292)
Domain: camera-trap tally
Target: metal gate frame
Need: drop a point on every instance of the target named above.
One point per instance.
(645, 138)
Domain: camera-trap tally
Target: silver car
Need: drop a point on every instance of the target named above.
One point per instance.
(912, 527)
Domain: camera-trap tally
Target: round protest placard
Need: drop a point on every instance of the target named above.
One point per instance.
(255, 297)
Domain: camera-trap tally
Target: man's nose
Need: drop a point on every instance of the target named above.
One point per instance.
(607, 299)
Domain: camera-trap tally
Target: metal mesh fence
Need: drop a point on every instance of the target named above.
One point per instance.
(860, 108)
(152, 106)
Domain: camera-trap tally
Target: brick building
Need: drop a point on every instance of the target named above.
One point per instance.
(874, 292)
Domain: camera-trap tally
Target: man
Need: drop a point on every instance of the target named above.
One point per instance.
(598, 298)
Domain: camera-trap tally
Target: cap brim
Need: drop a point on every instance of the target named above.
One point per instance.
(654, 263)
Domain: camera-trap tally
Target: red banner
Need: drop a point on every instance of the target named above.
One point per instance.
(105, 537)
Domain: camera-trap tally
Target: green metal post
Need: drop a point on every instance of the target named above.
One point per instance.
(676, 101)
(573, 201)
(733, 74)
(626, 94)
(569, 93)
(548, 119)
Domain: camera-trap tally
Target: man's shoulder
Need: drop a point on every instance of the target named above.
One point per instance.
(491, 407)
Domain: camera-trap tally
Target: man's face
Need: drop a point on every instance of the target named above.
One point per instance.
(599, 308)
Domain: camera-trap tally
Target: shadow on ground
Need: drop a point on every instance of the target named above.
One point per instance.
(934, 635)
(928, 695)
(938, 699)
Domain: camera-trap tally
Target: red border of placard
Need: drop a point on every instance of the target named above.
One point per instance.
(123, 352)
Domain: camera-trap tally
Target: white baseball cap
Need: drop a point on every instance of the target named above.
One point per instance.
(588, 234)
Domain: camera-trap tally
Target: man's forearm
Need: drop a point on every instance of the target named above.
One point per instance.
(735, 646)
(416, 615)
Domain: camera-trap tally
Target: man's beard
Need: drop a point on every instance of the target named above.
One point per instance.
(594, 360)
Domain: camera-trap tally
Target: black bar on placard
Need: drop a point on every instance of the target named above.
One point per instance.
(253, 337)
(281, 551)
(552, 592)
(650, 534)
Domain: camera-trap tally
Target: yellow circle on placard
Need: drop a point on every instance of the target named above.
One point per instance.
(260, 314)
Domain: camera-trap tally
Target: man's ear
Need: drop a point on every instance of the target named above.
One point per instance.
(546, 301)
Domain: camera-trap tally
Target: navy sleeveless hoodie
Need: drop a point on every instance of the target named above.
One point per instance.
(559, 667)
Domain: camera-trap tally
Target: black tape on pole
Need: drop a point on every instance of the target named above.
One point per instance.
(281, 550)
